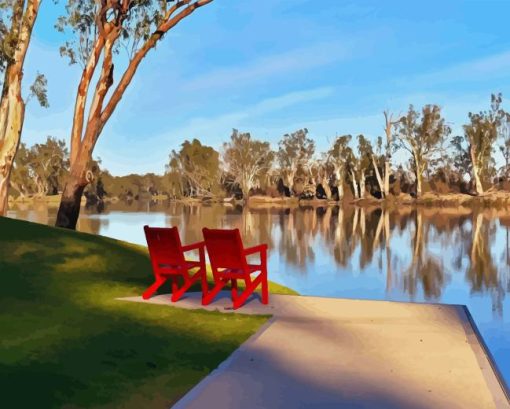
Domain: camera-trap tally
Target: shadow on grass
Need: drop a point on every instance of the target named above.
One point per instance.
(67, 343)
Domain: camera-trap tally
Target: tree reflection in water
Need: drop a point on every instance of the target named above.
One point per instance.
(418, 250)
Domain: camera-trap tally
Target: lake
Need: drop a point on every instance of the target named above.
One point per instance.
(437, 255)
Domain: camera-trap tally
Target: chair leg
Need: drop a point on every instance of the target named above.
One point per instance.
(154, 287)
(188, 282)
(175, 288)
(239, 301)
(233, 288)
(203, 280)
(207, 298)
(265, 288)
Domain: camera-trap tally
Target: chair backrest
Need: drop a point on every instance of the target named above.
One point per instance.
(164, 245)
(225, 248)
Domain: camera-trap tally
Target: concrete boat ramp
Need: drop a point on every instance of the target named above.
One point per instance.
(320, 352)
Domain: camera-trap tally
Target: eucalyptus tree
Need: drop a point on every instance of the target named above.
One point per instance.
(247, 159)
(390, 124)
(40, 169)
(421, 134)
(295, 150)
(100, 29)
(481, 134)
(199, 168)
(339, 156)
(364, 161)
(17, 19)
(22, 179)
(504, 147)
(50, 165)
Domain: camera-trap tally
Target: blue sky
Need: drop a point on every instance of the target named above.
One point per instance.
(273, 66)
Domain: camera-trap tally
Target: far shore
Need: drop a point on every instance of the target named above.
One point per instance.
(489, 199)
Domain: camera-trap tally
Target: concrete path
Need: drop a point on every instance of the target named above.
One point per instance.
(337, 353)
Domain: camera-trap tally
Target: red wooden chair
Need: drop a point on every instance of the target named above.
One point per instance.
(228, 262)
(168, 261)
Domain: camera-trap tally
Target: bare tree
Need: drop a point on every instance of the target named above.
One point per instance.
(101, 28)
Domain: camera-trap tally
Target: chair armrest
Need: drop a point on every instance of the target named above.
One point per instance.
(194, 246)
(255, 249)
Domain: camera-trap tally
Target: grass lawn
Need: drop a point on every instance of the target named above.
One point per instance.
(65, 341)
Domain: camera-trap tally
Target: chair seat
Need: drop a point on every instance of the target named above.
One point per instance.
(238, 272)
(170, 268)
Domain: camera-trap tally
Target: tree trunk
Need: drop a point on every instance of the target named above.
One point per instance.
(378, 176)
(476, 172)
(14, 113)
(362, 185)
(355, 185)
(386, 178)
(69, 209)
(418, 184)
(339, 183)
(418, 173)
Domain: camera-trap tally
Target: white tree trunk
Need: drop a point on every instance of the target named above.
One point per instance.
(355, 185)
(476, 172)
(378, 176)
(362, 185)
(386, 178)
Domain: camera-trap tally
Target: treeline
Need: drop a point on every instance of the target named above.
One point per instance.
(353, 166)
(437, 161)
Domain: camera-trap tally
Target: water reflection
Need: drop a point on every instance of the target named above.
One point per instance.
(459, 256)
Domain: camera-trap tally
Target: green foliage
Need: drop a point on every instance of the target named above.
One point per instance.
(481, 135)
(39, 90)
(199, 167)
(134, 21)
(421, 134)
(247, 160)
(295, 149)
(41, 169)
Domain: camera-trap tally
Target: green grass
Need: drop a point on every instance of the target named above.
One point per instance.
(65, 341)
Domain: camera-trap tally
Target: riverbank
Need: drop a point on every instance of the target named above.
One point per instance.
(489, 199)
(65, 335)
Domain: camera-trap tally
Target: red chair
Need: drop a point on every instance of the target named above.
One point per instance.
(168, 261)
(228, 262)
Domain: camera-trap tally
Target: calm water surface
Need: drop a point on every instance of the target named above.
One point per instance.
(426, 255)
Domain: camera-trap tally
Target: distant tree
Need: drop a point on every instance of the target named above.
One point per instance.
(247, 159)
(389, 126)
(340, 155)
(294, 152)
(173, 180)
(41, 169)
(199, 166)
(50, 164)
(504, 147)
(22, 178)
(100, 30)
(363, 163)
(421, 135)
(481, 134)
(17, 19)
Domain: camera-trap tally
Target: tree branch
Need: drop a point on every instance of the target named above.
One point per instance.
(149, 44)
